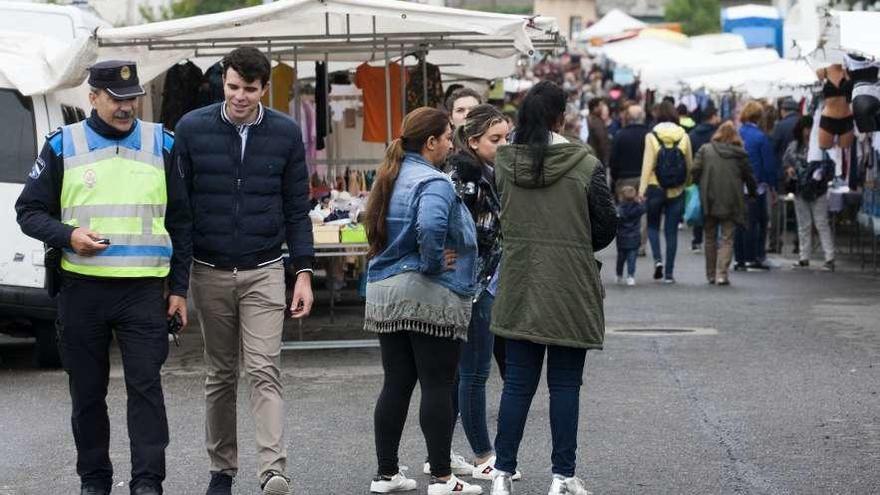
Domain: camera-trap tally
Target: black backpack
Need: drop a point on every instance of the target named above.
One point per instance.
(671, 167)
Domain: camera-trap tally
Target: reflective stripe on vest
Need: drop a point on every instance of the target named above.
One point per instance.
(119, 192)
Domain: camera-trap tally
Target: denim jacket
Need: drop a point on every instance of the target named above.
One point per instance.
(424, 218)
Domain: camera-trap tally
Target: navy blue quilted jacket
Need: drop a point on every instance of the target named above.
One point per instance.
(245, 205)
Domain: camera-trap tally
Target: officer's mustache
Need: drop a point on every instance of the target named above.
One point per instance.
(122, 115)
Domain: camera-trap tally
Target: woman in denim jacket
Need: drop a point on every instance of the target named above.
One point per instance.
(420, 281)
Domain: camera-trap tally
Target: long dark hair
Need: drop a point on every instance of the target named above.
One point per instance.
(418, 126)
(805, 122)
(478, 122)
(541, 111)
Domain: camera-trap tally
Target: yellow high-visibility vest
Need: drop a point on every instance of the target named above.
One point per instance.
(117, 188)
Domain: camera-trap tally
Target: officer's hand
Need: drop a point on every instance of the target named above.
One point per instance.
(84, 242)
(301, 305)
(177, 304)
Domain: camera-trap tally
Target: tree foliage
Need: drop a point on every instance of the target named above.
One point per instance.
(187, 8)
(696, 16)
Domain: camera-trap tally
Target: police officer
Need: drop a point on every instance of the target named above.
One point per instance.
(104, 192)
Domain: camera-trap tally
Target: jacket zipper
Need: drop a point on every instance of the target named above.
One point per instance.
(237, 197)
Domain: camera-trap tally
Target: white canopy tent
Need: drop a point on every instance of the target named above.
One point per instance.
(33, 63)
(332, 30)
(666, 73)
(613, 23)
(718, 43)
(775, 79)
(846, 32)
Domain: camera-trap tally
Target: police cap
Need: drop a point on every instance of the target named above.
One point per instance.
(119, 78)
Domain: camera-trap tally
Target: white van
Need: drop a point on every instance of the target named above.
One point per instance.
(25, 308)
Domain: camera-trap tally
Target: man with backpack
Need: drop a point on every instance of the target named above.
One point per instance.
(665, 173)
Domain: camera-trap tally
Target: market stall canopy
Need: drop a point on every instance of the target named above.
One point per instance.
(666, 73)
(718, 43)
(846, 32)
(33, 64)
(775, 79)
(613, 23)
(341, 30)
(643, 49)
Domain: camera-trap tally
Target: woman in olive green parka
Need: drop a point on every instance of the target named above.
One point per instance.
(556, 212)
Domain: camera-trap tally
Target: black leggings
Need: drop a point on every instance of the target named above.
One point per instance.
(407, 357)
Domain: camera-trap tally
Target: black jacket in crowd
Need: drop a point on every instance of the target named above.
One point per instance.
(39, 205)
(700, 135)
(627, 152)
(245, 205)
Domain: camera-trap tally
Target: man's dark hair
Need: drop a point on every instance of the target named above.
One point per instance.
(594, 103)
(681, 110)
(461, 93)
(669, 99)
(709, 112)
(249, 63)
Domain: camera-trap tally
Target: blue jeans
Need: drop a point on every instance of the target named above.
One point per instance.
(627, 256)
(473, 371)
(565, 369)
(750, 242)
(657, 206)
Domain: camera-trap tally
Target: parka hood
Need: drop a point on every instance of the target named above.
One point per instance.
(726, 150)
(559, 159)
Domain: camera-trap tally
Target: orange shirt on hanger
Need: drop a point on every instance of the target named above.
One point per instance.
(371, 80)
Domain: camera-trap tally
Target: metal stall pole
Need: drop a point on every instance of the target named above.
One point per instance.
(387, 94)
(271, 90)
(402, 82)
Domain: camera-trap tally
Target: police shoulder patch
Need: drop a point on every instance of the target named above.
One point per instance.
(167, 140)
(54, 139)
(37, 170)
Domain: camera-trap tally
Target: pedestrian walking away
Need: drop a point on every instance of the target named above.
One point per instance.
(105, 193)
(751, 239)
(421, 279)
(722, 170)
(809, 183)
(629, 212)
(477, 142)
(665, 174)
(542, 176)
(700, 135)
(625, 165)
(238, 277)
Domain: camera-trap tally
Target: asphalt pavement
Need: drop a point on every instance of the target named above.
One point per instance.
(771, 389)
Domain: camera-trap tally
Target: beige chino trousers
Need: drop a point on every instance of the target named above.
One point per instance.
(242, 318)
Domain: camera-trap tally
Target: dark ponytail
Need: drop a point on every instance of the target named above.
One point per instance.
(541, 111)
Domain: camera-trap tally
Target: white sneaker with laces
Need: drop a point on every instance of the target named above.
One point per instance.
(397, 483)
(567, 486)
(454, 487)
(460, 466)
(487, 471)
(630, 281)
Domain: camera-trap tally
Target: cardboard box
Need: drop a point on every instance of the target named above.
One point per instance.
(325, 234)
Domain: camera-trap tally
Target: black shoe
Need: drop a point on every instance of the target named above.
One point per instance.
(757, 267)
(739, 267)
(145, 490)
(802, 264)
(828, 266)
(221, 484)
(658, 270)
(94, 490)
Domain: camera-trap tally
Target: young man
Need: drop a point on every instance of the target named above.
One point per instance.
(103, 191)
(244, 166)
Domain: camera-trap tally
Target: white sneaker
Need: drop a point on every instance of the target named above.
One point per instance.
(454, 487)
(487, 471)
(397, 483)
(630, 281)
(460, 466)
(502, 485)
(275, 483)
(567, 486)
(618, 280)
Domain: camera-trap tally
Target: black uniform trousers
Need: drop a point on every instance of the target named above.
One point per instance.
(90, 312)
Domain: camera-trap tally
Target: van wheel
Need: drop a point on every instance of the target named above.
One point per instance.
(46, 352)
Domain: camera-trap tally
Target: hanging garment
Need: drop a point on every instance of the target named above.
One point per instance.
(283, 78)
(320, 105)
(180, 94)
(306, 122)
(211, 89)
(415, 90)
(372, 81)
